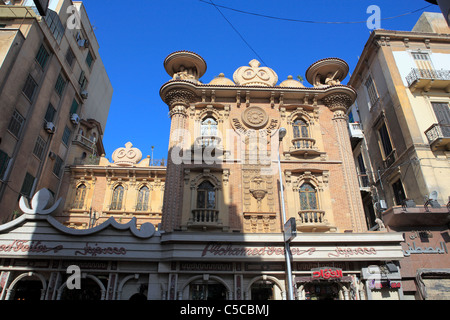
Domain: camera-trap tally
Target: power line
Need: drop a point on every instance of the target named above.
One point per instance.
(239, 34)
(308, 21)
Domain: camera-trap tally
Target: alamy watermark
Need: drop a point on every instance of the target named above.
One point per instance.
(74, 19)
(374, 20)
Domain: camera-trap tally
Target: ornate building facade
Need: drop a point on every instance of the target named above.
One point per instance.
(221, 232)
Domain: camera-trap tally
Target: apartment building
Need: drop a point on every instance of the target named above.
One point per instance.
(54, 97)
(400, 133)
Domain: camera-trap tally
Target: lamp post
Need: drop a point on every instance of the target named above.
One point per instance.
(282, 134)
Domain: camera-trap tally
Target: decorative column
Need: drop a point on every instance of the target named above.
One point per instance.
(178, 101)
(339, 103)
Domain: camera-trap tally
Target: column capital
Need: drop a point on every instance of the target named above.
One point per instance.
(177, 97)
(338, 101)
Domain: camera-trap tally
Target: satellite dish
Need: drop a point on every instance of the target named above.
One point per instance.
(433, 195)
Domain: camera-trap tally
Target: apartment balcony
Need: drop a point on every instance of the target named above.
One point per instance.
(439, 136)
(84, 142)
(364, 184)
(313, 220)
(204, 219)
(425, 79)
(356, 133)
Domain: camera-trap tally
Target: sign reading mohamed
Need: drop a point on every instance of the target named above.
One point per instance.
(325, 252)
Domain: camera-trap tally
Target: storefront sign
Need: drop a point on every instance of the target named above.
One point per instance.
(426, 250)
(97, 250)
(326, 273)
(376, 284)
(27, 246)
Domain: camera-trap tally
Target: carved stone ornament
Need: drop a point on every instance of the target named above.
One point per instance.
(127, 156)
(255, 117)
(179, 97)
(338, 101)
(254, 75)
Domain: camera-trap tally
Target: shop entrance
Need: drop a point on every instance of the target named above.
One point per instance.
(29, 290)
(207, 291)
(262, 290)
(321, 290)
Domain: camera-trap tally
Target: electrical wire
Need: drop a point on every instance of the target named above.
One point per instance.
(239, 34)
(309, 21)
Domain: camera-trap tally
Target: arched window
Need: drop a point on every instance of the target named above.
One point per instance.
(142, 201)
(308, 197)
(206, 196)
(208, 131)
(117, 198)
(80, 195)
(301, 130)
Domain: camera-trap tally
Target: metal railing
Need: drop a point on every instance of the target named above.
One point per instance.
(84, 141)
(437, 131)
(417, 74)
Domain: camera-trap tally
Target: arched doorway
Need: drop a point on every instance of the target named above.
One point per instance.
(262, 290)
(91, 289)
(210, 288)
(265, 288)
(27, 286)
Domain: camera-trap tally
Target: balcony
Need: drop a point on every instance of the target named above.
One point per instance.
(313, 220)
(428, 79)
(84, 142)
(205, 219)
(356, 133)
(304, 145)
(438, 136)
(364, 184)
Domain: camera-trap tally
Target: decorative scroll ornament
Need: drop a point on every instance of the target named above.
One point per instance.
(254, 75)
(127, 156)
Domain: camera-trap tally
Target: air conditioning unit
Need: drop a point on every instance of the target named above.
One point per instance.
(52, 155)
(381, 205)
(75, 118)
(84, 94)
(50, 127)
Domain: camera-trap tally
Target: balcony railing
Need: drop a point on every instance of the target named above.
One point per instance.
(84, 141)
(208, 141)
(355, 130)
(313, 220)
(311, 216)
(363, 180)
(427, 79)
(204, 217)
(438, 135)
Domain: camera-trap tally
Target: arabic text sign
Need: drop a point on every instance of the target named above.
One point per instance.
(413, 249)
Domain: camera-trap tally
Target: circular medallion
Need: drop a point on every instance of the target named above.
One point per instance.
(255, 117)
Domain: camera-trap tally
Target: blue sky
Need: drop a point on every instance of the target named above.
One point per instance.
(136, 36)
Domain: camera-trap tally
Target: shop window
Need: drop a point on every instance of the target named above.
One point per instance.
(322, 291)
(117, 198)
(80, 196)
(28, 290)
(142, 201)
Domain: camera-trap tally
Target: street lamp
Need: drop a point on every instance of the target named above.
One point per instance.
(282, 134)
